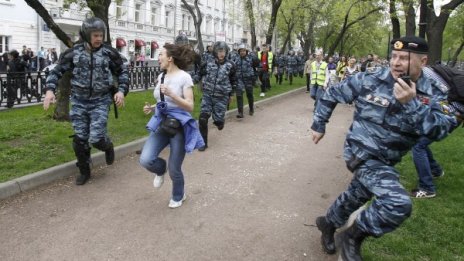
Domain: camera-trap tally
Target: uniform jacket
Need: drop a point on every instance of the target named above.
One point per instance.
(383, 128)
(92, 72)
(219, 79)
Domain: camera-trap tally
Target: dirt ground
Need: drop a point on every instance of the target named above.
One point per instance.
(252, 195)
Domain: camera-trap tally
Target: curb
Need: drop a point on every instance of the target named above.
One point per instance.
(34, 180)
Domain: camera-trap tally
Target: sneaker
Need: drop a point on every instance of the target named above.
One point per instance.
(262, 94)
(158, 181)
(439, 175)
(176, 204)
(419, 193)
(202, 148)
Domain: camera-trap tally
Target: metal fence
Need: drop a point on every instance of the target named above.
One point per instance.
(28, 87)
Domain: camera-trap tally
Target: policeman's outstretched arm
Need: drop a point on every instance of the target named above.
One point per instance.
(49, 99)
(317, 136)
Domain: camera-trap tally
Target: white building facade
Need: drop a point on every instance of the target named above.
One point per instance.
(136, 26)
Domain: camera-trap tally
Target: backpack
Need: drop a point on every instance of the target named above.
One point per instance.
(455, 80)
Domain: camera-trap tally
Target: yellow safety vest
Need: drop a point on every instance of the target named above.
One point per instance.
(318, 76)
(270, 57)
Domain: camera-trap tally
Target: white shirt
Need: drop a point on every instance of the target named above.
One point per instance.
(176, 82)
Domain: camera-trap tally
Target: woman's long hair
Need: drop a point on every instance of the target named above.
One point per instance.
(183, 55)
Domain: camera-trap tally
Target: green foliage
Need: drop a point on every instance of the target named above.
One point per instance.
(30, 140)
(453, 35)
(434, 230)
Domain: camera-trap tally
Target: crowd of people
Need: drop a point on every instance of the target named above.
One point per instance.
(396, 107)
(30, 61)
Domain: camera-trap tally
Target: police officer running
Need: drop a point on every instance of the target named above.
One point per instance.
(92, 64)
(389, 119)
(218, 85)
(245, 65)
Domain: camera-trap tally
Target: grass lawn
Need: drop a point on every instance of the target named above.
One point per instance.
(435, 229)
(30, 140)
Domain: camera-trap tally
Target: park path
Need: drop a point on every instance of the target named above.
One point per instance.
(253, 195)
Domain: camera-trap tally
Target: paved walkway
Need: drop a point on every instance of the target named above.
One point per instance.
(253, 195)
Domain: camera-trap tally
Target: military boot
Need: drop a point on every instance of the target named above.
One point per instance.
(109, 154)
(350, 243)
(204, 135)
(84, 170)
(327, 238)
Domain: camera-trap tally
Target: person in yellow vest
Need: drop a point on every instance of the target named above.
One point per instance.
(319, 77)
(265, 58)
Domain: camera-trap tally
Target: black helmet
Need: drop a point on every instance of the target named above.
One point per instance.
(91, 25)
(181, 39)
(14, 53)
(220, 45)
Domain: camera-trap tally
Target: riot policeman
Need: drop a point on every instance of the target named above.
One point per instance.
(93, 65)
(218, 85)
(245, 69)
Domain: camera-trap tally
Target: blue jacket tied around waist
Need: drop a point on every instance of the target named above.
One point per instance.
(193, 139)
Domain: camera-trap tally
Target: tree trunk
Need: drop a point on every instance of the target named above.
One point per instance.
(423, 18)
(251, 18)
(61, 112)
(436, 26)
(270, 31)
(410, 18)
(394, 20)
(197, 20)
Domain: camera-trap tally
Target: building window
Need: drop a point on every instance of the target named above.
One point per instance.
(118, 10)
(4, 44)
(166, 22)
(153, 16)
(189, 23)
(183, 22)
(137, 12)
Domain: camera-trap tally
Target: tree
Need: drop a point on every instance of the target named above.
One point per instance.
(197, 20)
(454, 35)
(347, 24)
(100, 10)
(408, 6)
(251, 19)
(275, 4)
(435, 27)
(394, 19)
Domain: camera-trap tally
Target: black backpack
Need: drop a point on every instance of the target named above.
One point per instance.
(455, 80)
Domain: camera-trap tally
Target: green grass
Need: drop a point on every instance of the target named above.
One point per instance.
(30, 140)
(435, 229)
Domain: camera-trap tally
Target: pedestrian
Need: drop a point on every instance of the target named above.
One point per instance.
(341, 65)
(351, 69)
(93, 65)
(319, 76)
(266, 60)
(292, 66)
(172, 123)
(307, 71)
(16, 78)
(427, 167)
(245, 73)
(219, 85)
(279, 66)
(3, 62)
(388, 120)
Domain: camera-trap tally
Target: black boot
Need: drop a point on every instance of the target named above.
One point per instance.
(327, 237)
(240, 106)
(84, 169)
(82, 152)
(351, 240)
(109, 154)
(204, 133)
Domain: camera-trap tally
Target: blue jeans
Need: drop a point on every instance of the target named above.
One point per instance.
(155, 143)
(426, 166)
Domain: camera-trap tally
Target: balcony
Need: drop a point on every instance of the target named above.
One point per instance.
(67, 16)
